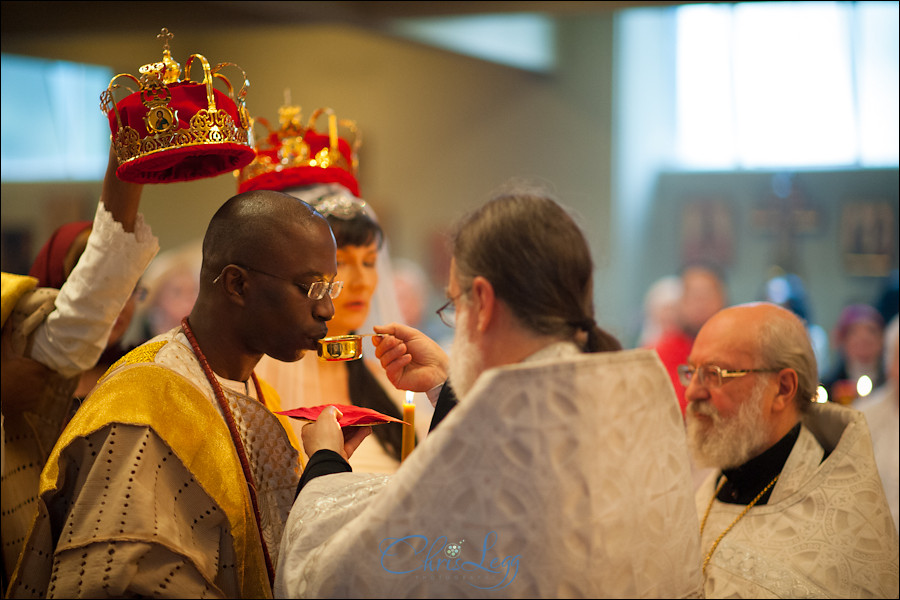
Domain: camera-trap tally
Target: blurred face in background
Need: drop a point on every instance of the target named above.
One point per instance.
(174, 297)
(863, 343)
(702, 297)
(357, 268)
(120, 326)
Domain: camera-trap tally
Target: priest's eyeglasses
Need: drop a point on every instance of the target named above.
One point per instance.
(713, 376)
(447, 312)
(314, 291)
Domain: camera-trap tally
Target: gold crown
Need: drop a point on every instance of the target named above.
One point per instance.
(175, 129)
(295, 155)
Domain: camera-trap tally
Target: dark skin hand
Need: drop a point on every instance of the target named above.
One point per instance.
(326, 434)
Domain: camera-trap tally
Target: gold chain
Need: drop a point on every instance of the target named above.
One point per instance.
(235, 437)
(733, 523)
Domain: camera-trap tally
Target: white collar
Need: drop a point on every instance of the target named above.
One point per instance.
(554, 350)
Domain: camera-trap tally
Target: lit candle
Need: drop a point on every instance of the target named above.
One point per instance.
(409, 426)
(864, 386)
(332, 134)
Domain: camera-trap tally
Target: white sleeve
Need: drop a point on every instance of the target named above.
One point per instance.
(75, 333)
(433, 394)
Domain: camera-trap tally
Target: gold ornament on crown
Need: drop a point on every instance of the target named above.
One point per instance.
(292, 148)
(211, 125)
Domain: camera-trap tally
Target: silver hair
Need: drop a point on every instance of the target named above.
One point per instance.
(784, 344)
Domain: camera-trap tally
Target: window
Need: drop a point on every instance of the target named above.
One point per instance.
(52, 125)
(525, 41)
(787, 84)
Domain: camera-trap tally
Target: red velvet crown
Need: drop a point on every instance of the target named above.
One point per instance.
(297, 156)
(178, 130)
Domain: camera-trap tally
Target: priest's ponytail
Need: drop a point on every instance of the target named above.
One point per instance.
(597, 338)
(538, 261)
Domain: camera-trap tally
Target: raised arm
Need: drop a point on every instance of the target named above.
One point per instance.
(118, 251)
(120, 198)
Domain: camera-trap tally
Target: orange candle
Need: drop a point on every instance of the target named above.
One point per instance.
(409, 426)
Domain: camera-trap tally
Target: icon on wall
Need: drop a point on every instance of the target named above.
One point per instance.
(707, 232)
(786, 215)
(868, 230)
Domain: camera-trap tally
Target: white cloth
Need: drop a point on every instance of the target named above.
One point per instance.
(882, 411)
(826, 531)
(554, 478)
(75, 334)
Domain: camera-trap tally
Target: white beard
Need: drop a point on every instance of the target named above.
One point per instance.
(465, 360)
(728, 443)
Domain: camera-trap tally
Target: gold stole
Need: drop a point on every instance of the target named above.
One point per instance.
(12, 288)
(168, 405)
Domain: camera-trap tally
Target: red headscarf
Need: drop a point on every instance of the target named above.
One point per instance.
(48, 267)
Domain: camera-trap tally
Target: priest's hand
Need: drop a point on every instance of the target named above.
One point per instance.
(411, 360)
(326, 434)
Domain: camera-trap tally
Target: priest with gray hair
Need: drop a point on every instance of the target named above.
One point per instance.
(795, 507)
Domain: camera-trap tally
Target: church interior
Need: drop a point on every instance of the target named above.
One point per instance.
(598, 118)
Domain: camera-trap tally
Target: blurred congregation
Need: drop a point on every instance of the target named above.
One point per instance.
(420, 135)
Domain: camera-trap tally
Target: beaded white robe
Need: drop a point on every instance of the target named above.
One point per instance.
(169, 516)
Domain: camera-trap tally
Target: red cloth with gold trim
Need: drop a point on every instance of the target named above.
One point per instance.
(178, 130)
(296, 156)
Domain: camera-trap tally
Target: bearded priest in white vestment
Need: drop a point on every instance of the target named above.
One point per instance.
(563, 471)
(566, 476)
(795, 507)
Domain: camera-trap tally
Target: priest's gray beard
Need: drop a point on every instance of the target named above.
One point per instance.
(465, 362)
(728, 443)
